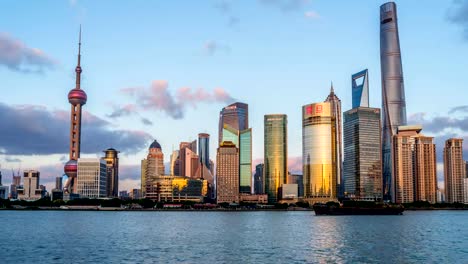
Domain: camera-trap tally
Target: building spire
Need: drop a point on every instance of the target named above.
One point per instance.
(78, 66)
(332, 91)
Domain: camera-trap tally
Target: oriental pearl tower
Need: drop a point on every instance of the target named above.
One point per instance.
(77, 98)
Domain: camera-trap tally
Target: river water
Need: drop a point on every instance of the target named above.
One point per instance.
(231, 237)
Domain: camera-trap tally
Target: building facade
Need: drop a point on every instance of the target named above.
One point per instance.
(319, 152)
(275, 155)
(112, 162)
(204, 150)
(154, 166)
(235, 115)
(245, 161)
(362, 166)
(454, 170)
(360, 89)
(259, 184)
(30, 190)
(227, 173)
(92, 178)
(393, 92)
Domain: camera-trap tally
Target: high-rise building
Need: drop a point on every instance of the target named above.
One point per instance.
(30, 190)
(362, 166)
(58, 183)
(393, 92)
(77, 98)
(414, 166)
(227, 173)
(154, 166)
(188, 159)
(275, 154)
(465, 190)
(235, 115)
(112, 162)
(204, 149)
(3, 189)
(16, 182)
(454, 170)
(174, 169)
(259, 185)
(245, 161)
(319, 152)
(92, 178)
(335, 104)
(296, 179)
(144, 165)
(360, 89)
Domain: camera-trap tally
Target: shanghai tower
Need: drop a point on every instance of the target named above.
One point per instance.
(77, 98)
(393, 91)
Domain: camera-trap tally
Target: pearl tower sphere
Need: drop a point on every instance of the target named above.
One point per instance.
(77, 98)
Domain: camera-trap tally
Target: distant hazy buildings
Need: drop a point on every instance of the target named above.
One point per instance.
(174, 163)
(454, 170)
(393, 92)
(319, 152)
(362, 166)
(259, 185)
(414, 166)
(58, 183)
(112, 162)
(275, 154)
(30, 190)
(15, 184)
(227, 173)
(335, 104)
(92, 178)
(3, 189)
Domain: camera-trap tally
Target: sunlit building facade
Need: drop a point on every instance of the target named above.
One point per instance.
(92, 178)
(154, 166)
(235, 115)
(227, 173)
(112, 162)
(169, 188)
(319, 152)
(275, 154)
(454, 170)
(362, 166)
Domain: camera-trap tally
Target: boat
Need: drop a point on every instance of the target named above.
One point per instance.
(357, 208)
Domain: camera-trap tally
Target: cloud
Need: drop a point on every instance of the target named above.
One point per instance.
(286, 5)
(295, 164)
(458, 14)
(211, 47)
(10, 159)
(225, 8)
(312, 14)
(146, 121)
(158, 98)
(16, 56)
(123, 111)
(32, 129)
(462, 108)
(439, 123)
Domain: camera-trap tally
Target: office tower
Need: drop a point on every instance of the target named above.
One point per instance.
(154, 166)
(30, 189)
(335, 104)
(188, 158)
(414, 166)
(92, 178)
(112, 162)
(58, 183)
(259, 185)
(245, 161)
(174, 163)
(204, 149)
(16, 182)
(319, 152)
(465, 190)
(393, 92)
(454, 170)
(362, 166)
(296, 179)
(275, 154)
(77, 98)
(227, 173)
(360, 89)
(235, 115)
(144, 165)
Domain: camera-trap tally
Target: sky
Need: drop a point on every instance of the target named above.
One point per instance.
(164, 69)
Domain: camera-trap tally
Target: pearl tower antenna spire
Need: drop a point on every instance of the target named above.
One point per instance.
(77, 98)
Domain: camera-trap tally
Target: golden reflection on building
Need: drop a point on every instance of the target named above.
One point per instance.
(319, 152)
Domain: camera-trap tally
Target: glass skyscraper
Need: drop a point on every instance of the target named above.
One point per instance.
(393, 92)
(360, 89)
(235, 115)
(319, 152)
(362, 166)
(204, 149)
(275, 154)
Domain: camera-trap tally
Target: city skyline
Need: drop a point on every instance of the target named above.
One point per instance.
(53, 88)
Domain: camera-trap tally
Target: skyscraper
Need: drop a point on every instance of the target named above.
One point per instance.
(204, 149)
(112, 162)
(454, 170)
(335, 104)
(58, 183)
(259, 185)
(154, 166)
(92, 178)
(360, 89)
(319, 152)
(235, 115)
(227, 173)
(30, 189)
(188, 158)
(245, 161)
(275, 154)
(174, 169)
(362, 166)
(414, 166)
(393, 92)
(77, 98)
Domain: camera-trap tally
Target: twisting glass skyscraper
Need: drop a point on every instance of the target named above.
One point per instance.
(275, 154)
(393, 92)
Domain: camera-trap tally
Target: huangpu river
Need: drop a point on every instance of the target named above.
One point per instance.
(231, 237)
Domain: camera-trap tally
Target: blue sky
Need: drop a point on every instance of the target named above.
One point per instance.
(275, 55)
